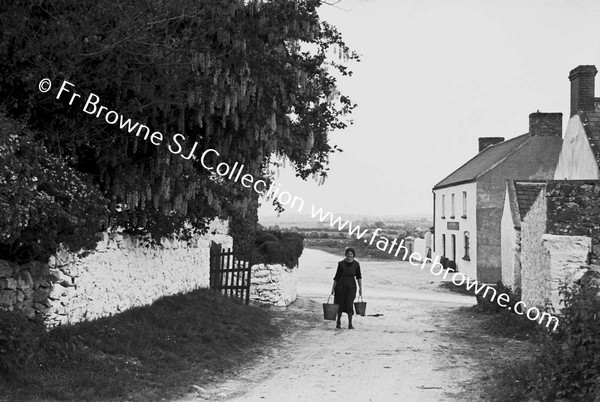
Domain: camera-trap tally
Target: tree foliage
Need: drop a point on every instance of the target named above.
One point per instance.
(43, 201)
(250, 79)
(275, 247)
(568, 367)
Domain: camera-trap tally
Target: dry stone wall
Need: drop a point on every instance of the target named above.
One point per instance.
(122, 272)
(574, 210)
(560, 233)
(25, 288)
(274, 284)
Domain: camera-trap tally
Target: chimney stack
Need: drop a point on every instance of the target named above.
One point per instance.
(485, 142)
(545, 124)
(582, 88)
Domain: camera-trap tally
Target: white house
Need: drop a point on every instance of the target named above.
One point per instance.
(468, 203)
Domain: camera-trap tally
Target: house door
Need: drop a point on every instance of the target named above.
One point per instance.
(453, 249)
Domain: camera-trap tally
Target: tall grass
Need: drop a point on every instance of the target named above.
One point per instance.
(146, 353)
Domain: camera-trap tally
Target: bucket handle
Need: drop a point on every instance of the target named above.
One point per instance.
(328, 299)
(360, 299)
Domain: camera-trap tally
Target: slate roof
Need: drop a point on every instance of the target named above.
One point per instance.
(521, 196)
(483, 162)
(527, 193)
(591, 124)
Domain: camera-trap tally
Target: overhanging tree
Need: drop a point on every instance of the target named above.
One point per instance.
(249, 79)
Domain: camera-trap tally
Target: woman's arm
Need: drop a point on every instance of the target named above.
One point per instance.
(338, 273)
(359, 278)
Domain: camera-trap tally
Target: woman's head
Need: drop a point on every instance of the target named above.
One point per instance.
(350, 252)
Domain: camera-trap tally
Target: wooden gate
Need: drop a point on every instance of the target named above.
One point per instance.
(228, 275)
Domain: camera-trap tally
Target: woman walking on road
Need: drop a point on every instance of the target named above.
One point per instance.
(344, 286)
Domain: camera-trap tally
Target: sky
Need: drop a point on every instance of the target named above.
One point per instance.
(434, 76)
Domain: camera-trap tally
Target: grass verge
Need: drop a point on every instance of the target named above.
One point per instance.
(506, 343)
(500, 321)
(147, 353)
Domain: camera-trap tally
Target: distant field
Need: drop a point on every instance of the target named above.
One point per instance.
(305, 221)
(322, 236)
(338, 246)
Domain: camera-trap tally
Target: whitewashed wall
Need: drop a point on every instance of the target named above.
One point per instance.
(547, 259)
(576, 160)
(273, 284)
(567, 255)
(535, 262)
(122, 272)
(466, 224)
(419, 247)
(511, 248)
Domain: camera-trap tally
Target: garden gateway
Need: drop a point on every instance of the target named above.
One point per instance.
(224, 170)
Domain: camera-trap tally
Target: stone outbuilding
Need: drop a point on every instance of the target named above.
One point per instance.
(520, 196)
(555, 231)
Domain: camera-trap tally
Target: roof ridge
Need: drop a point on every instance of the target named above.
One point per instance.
(509, 153)
(479, 154)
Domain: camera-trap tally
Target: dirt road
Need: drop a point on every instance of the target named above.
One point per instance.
(400, 351)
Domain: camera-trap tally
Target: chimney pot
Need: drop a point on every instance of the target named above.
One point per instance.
(485, 142)
(545, 124)
(582, 88)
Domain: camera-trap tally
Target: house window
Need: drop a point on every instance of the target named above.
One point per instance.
(467, 245)
(464, 214)
(452, 203)
(444, 245)
(443, 206)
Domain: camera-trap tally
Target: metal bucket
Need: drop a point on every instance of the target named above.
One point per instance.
(360, 306)
(330, 310)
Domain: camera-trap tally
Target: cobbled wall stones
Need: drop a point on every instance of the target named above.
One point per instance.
(273, 284)
(574, 210)
(122, 272)
(558, 233)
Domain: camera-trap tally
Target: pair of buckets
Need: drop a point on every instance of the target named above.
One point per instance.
(330, 310)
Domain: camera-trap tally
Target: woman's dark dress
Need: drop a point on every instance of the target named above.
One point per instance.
(345, 289)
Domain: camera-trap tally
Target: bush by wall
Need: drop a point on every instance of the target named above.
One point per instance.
(43, 201)
(568, 367)
(274, 247)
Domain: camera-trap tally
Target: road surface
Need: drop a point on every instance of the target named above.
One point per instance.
(399, 351)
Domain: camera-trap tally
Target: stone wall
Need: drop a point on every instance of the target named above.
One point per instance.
(25, 288)
(419, 247)
(535, 275)
(558, 233)
(511, 258)
(510, 243)
(122, 272)
(273, 284)
(566, 255)
(574, 209)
